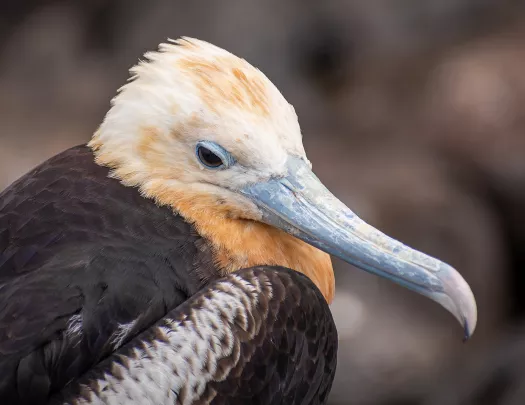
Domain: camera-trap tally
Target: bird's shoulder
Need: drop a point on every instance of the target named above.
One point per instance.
(70, 199)
(85, 264)
(69, 208)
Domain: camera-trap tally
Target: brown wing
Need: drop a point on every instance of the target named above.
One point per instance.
(263, 335)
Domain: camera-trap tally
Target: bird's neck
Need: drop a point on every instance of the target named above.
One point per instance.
(239, 243)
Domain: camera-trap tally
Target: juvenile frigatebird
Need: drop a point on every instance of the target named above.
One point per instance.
(182, 256)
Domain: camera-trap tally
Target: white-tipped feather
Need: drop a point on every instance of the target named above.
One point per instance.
(178, 368)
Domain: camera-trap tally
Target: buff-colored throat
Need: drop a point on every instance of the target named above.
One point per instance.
(240, 243)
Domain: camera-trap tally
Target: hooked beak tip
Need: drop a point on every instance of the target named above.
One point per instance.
(455, 295)
(464, 304)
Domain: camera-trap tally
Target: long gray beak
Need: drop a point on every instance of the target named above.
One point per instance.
(302, 206)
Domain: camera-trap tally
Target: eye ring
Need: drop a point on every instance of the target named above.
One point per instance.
(213, 156)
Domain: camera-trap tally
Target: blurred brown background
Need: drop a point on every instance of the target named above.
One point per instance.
(413, 113)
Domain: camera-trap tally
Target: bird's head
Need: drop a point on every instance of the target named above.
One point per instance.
(206, 133)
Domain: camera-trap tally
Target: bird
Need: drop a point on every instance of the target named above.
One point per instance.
(183, 255)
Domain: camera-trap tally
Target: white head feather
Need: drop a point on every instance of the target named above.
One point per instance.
(190, 91)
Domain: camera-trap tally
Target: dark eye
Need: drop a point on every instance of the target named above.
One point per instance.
(208, 158)
(213, 156)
